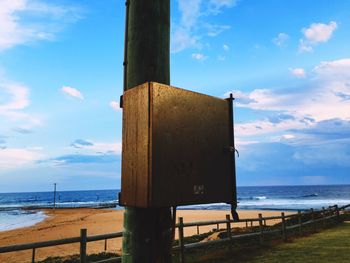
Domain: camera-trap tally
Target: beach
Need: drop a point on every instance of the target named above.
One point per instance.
(64, 223)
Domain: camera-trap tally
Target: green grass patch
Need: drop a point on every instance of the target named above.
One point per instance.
(330, 245)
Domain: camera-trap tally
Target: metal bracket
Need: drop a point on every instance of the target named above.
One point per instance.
(121, 102)
(233, 150)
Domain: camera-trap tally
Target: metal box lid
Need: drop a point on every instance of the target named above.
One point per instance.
(177, 148)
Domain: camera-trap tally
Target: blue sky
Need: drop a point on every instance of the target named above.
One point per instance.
(286, 62)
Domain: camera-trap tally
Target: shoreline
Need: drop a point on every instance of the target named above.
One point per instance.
(64, 223)
(45, 213)
(20, 218)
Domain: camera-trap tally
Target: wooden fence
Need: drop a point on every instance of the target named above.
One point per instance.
(296, 221)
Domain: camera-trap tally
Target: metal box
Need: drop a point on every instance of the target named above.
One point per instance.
(177, 148)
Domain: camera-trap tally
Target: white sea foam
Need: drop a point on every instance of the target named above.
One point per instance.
(17, 219)
(259, 197)
(274, 204)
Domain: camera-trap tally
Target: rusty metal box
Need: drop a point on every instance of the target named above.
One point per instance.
(177, 148)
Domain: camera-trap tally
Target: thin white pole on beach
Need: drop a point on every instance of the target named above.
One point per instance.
(54, 195)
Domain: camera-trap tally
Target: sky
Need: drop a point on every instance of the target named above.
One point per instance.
(287, 63)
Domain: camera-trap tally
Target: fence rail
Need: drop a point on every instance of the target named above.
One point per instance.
(316, 216)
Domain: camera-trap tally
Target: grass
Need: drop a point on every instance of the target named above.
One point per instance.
(331, 245)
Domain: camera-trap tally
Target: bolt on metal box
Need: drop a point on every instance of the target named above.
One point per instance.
(177, 148)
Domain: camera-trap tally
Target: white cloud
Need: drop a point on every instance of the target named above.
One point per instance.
(199, 56)
(265, 127)
(182, 39)
(97, 147)
(104, 147)
(288, 136)
(225, 47)
(215, 30)
(14, 99)
(298, 72)
(334, 70)
(315, 34)
(11, 158)
(192, 26)
(216, 6)
(115, 105)
(190, 11)
(322, 98)
(319, 32)
(305, 46)
(280, 39)
(24, 21)
(19, 97)
(72, 92)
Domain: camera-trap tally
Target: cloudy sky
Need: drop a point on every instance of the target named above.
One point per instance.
(286, 62)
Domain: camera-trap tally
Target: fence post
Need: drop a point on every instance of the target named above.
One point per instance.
(261, 228)
(228, 228)
(33, 255)
(197, 230)
(337, 213)
(181, 241)
(300, 222)
(83, 237)
(323, 217)
(284, 233)
(217, 227)
(313, 220)
(106, 244)
(246, 224)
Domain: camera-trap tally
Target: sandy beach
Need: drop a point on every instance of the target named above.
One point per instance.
(64, 223)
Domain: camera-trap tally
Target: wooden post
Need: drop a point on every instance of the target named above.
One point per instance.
(147, 233)
(181, 241)
(197, 230)
(300, 222)
(246, 224)
(217, 226)
(106, 244)
(83, 237)
(33, 255)
(228, 229)
(284, 230)
(323, 217)
(261, 228)
(313, 220)
(337, 213)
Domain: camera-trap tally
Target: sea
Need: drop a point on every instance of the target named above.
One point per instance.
(23, 209)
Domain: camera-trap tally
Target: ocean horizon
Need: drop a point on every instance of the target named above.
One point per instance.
(16, 209)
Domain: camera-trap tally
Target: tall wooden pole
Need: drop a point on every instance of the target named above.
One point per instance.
(147, 232)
